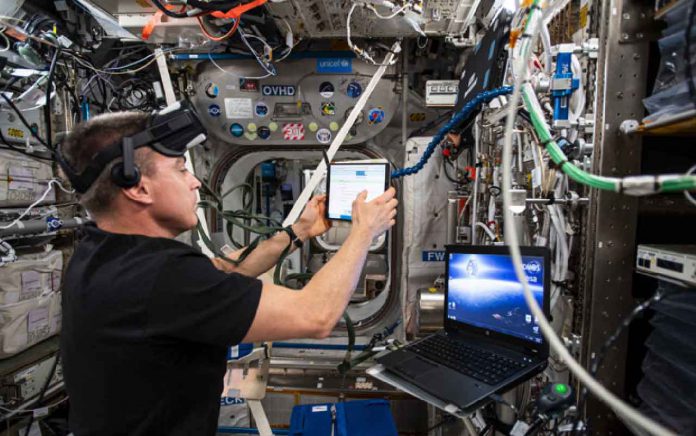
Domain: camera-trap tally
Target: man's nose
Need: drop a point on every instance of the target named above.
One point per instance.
(196, 184)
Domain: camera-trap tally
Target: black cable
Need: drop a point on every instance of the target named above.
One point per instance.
(9, 146)
(609, 342)
(687, 53)
(499, 399)
(47, 106)
(447, 174)
(167, 12)
(44, 388)
(437, 121)
(214, 5)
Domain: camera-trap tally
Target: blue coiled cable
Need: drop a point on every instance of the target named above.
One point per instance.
(483, 97)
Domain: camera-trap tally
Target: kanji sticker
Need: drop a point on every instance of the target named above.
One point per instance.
(293, 132)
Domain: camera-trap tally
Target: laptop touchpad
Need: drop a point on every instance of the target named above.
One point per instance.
(415, 367)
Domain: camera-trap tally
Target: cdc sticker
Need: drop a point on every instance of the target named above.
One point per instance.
(236, 130)
(214, 110)
(326, 89)
(324, 136)
(354, 89)
(261, 109)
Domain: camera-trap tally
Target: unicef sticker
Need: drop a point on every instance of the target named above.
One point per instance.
(214, 110)
(324, 136)
(261, 109)
(326, 90)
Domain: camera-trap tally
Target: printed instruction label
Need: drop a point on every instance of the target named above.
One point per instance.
(320, 408)
(238, 108)
(21, 178)
(31, 284)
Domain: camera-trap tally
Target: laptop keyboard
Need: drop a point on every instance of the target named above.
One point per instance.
(483, 365)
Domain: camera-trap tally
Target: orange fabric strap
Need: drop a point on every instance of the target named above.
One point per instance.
(237, 12)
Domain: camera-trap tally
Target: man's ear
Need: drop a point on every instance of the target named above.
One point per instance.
(140, 193)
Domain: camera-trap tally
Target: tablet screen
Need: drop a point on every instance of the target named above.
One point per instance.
(346, 180)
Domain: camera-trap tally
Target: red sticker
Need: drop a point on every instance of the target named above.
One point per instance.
(293, 131)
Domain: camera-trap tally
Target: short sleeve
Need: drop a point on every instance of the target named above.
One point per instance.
(194, 301)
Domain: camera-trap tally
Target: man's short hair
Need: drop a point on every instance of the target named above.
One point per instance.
(87, 139)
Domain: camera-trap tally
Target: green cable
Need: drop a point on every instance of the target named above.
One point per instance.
(344, 366)
(676, 184)
(237, 218)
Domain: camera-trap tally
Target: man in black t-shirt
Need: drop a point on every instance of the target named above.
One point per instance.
(147, 320)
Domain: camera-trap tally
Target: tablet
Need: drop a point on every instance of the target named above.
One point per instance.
(346, 180)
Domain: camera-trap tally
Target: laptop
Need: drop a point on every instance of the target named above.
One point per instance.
(491, 341)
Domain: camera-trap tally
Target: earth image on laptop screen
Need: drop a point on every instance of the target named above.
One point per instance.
(483, 291)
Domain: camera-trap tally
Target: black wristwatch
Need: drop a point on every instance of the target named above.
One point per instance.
(297, 242)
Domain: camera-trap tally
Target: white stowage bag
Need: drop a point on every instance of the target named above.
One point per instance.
(28, 322)
(29, 276)
(23, 180)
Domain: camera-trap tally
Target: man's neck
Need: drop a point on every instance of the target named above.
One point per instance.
(134, 226)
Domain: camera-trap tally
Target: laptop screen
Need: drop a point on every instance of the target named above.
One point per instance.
(483, 291)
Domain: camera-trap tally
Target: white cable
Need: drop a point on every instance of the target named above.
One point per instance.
(388, 17)
(6, 39)
(37, 202)
(243, 36)
(623, 410)
(340, 137)
(687, 194)
(8, 253)
(579, 93)
(488, 231)
(554, 9)
(357, 50)
(23, 410)
(227, 73)
(546, 43)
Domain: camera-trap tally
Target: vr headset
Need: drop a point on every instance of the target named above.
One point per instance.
(171, 132)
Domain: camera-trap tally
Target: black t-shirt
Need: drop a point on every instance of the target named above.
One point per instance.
(146, 327)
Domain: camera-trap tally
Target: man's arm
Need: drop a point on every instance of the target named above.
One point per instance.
(263, 258)
(311, 223)
(314, 311)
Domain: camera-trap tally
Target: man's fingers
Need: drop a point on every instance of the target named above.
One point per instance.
(387, 195)
(362, 196)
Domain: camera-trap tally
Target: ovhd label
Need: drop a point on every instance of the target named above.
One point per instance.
(278, 90)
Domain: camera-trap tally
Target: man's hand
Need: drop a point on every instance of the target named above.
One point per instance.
(312, 222)
(223, 265)
(377, 216)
